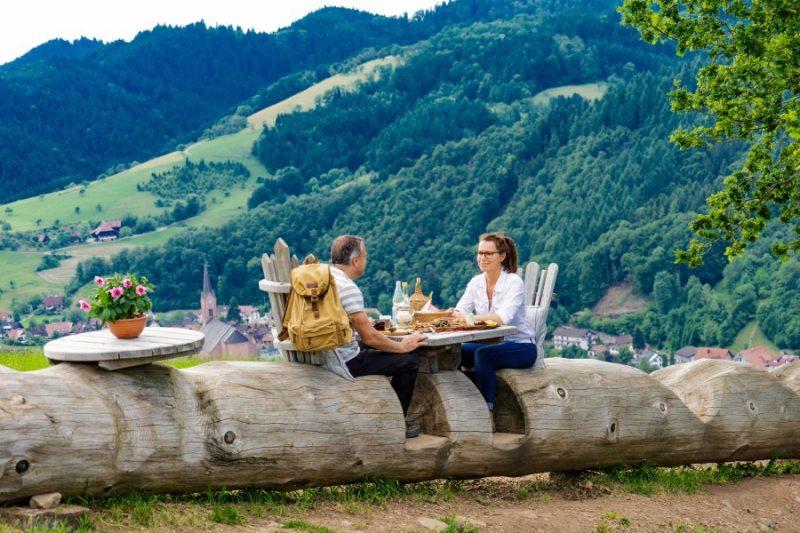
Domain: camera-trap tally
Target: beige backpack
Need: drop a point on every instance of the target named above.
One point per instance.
(315, 319)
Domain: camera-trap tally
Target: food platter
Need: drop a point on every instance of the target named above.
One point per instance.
(440, 326)
(445, 325)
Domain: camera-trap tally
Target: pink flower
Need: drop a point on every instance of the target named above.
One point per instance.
(100, 281)
(127, 283)
(85, 306)
(116, 292)
(141, 290)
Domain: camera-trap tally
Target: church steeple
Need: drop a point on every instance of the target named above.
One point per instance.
(208, 300)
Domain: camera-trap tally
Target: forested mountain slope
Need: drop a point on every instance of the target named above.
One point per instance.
(69, 112)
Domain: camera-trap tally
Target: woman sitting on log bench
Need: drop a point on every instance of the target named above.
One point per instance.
(497, 294)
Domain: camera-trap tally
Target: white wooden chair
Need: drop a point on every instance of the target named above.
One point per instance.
(539, 285)
(276, 284)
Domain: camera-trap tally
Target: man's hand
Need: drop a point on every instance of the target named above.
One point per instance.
(413, 341)
(377, 340)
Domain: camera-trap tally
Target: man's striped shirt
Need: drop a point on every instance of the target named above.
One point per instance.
(352, 300)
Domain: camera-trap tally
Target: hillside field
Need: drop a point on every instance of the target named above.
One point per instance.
(115, 196)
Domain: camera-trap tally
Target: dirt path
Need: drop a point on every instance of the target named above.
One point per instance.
(758, 504)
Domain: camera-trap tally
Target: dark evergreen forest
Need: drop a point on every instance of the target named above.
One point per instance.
(452, 143)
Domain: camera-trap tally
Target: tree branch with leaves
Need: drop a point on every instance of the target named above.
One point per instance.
(750, 90)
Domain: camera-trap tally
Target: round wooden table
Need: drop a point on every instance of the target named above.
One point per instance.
(111, 353)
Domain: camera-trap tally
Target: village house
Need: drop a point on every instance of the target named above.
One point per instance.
(58, 328)
(599, 351)
(42, 238)
(250, 314)
(721, 354)
(564, 336)
(616, 342)
(651, 356)
(684, 355)
(784, 359)
(224, 339)
(107, 230)
(53, 303)
(93, 324)
(759, 356)
(17, 334)
(37, 330)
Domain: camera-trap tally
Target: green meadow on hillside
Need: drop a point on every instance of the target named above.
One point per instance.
(18, 278)
(751, 336)
(587, 91)
(117, 194)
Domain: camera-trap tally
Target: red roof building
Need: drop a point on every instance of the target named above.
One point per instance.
(721, 354)
(757, 356)
(17, 335)
(60, 328)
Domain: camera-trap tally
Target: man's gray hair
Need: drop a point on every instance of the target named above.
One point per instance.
(345, 248)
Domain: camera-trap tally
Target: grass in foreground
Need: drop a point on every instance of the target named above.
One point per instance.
(28, 359)
(23, 359)
(210, 509)
(648, 480)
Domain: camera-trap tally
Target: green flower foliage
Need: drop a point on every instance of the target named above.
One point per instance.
(750, 89)
(118, 297)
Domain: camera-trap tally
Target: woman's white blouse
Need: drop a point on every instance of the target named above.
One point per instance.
(508, 303)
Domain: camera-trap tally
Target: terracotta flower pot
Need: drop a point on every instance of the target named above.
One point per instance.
(128, 328)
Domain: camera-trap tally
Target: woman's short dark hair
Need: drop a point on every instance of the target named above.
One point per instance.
(344, 248)
(504, 245)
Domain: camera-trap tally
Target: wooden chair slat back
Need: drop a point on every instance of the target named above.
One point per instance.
(539, 286)
(277, 267)
(531, 276)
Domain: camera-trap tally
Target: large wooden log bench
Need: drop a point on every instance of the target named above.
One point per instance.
(78, 429)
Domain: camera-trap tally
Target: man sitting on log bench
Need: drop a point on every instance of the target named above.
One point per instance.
(370, 352)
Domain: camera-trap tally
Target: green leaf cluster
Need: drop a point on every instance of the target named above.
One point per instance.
(750, 90)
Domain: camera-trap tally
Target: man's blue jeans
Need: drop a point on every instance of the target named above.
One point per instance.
(486, 358)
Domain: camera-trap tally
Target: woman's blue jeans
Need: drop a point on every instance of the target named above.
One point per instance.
(486, 358)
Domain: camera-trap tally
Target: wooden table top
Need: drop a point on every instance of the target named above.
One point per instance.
(457, 337)
(112, 353)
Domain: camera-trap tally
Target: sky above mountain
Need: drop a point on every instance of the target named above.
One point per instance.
(25, 25)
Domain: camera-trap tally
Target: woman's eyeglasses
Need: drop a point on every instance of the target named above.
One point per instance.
(487, 254)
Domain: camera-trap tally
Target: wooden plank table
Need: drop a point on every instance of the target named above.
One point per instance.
(442, 351)
(111, 353)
